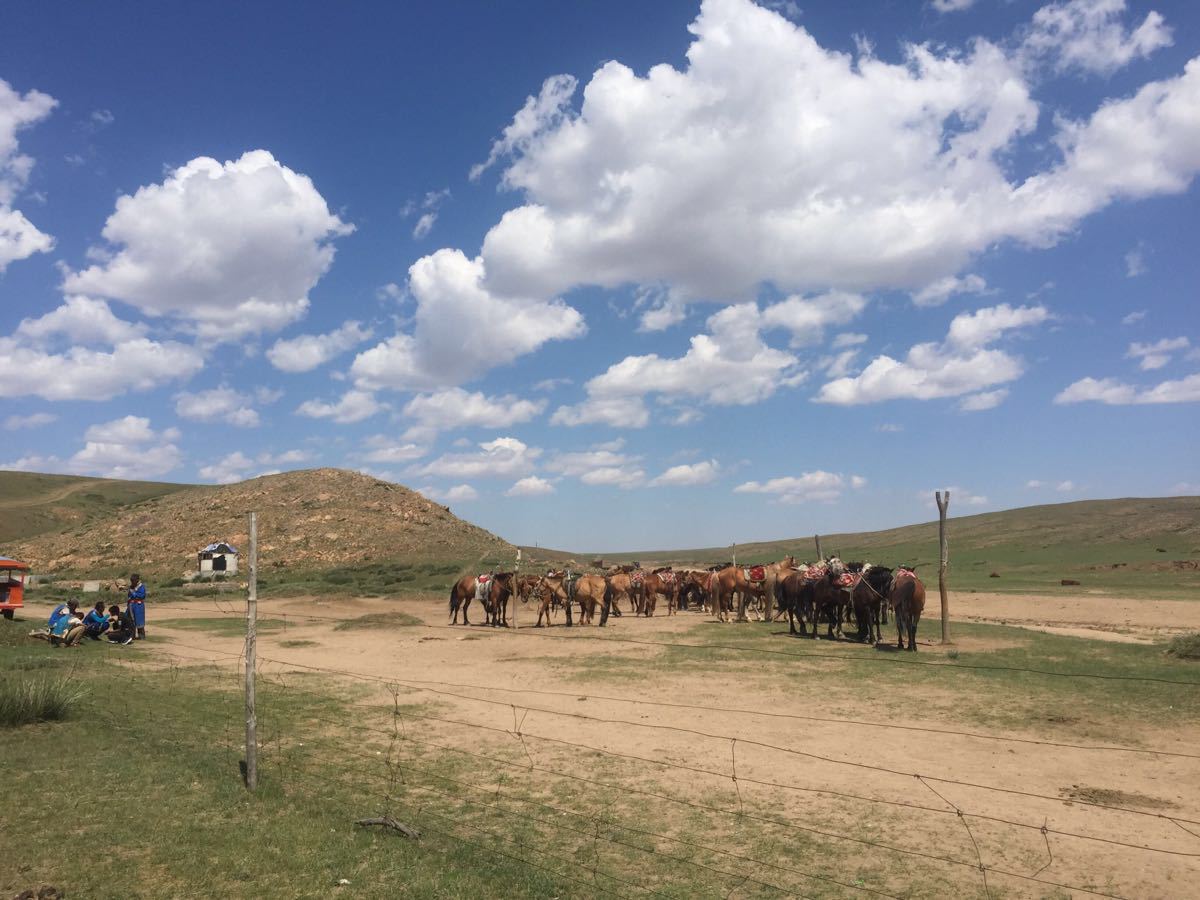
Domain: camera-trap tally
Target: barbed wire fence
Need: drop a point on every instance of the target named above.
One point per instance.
(535, 794)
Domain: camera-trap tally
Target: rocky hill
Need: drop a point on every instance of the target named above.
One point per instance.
(307, 520)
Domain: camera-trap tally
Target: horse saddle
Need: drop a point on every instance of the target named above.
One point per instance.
(847, 579)
(755, 573)
(481, 585)
(636, 578)
(904, 573)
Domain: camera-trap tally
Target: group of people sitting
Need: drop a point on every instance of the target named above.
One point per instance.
(66, 627)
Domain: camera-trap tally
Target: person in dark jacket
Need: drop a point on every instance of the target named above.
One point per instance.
(121, 626)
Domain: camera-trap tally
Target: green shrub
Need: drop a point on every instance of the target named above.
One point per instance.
(27, 700)
(173, 583)
(1185, 646)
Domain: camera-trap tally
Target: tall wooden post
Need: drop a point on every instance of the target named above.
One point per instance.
(516, 601)
(820, 555)
(251, 639)
(943, 502)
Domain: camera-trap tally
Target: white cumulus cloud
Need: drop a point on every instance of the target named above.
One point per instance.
(19, 238)
(81, 320)
(123, 448)
(1114, 392)
(80, 373)
(222, 404)
(233, 247)
(816, 487)
(1156, 355)
(962, 364)
(306, 352)
(456, 408)
(530, 486)
(504, 457)
(1088, 35)
(688, 474)
(461, 328)
(352, 406)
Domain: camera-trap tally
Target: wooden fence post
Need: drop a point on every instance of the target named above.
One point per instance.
(943, 502)
(251, 640)
(516, 600)
(817, 539)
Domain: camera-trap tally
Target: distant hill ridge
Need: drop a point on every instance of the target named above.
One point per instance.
(1132, 546)
(307, 520)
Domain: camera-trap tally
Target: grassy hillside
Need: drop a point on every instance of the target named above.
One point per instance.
(1129, 546)
(36, 504)
(349, 527)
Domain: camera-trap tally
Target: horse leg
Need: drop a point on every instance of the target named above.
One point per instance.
(913, 621)
(898, 615)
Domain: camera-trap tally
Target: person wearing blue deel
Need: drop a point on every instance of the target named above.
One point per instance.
(136, 605)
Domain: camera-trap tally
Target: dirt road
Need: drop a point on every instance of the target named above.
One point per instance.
(838, 759)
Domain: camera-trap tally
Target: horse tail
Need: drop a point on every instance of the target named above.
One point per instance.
(453, 598)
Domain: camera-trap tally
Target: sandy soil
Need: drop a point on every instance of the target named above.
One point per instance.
(503, 665)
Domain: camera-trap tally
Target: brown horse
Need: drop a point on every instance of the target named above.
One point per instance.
(623, 585)
(907, 598)
(794, 595)
(551, 588)
(660, 581)
(495, 598)
(724, 584)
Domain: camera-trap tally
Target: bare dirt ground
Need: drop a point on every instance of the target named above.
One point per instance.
(1114, 804)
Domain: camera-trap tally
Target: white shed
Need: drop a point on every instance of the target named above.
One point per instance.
(218, 557)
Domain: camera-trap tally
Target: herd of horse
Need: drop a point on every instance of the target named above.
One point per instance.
(828, 592)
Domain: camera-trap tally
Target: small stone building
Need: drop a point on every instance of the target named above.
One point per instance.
(218, 557)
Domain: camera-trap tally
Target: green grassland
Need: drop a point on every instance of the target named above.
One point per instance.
(138, 793)
(1131, 547)
(34, 504)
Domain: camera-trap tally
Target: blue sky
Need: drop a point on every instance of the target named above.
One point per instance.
(609, 275)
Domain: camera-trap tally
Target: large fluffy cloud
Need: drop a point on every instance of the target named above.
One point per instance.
(81, 373)
(81, 320)
(462, 329)
(771, 158)
(123, 448)
(19, 238)
(962, 364)
(232, 247)
(352, 406)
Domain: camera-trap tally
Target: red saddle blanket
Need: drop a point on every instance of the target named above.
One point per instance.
(666, 577)
(756, 573)
(636, 578)
(815, 573)
(848, 579)
(904, 573)
(483, 579)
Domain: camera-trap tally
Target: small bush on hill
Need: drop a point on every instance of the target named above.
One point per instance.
(1185, 646)
(27, 700)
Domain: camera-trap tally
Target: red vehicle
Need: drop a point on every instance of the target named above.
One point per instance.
(12, 585)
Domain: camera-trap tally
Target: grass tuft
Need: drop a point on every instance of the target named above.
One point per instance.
(378, 620)
(1185, 646)
(24, 701)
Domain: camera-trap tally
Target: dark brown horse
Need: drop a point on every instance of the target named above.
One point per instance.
(794, 595)
(870, 599)
(907, 598)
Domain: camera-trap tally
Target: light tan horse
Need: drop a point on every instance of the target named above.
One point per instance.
(589, 593)
(729, 581)
(623, 587)
(776, 572)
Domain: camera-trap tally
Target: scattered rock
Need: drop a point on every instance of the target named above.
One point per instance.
(993, 575)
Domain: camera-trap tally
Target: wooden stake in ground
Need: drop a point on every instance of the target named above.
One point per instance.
(251, 638)
(817, 540)
(943, 558)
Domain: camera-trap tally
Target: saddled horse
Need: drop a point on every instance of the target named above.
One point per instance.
(831, 597)
(626, 584)
(907, 598)
(552, 590)
(496, 593)
(732, 580)
(661, 581)
(691, 586)
(775, 573)
(592, 591)
(869, 599)
(794, 595)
